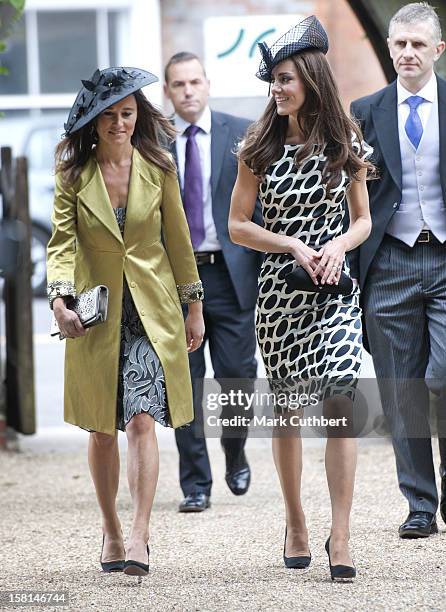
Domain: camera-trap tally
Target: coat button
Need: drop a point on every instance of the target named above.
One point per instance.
(133, 284)
(154, 339)
(142, 313)
(395, 205)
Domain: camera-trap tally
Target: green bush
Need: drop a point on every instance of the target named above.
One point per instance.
(10, 11)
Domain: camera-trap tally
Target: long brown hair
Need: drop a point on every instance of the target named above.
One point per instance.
(321, 119)
(152, 133)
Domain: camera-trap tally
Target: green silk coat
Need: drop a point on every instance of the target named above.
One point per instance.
(155, 255)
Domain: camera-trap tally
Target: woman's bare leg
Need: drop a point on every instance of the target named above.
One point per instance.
(287, 453)
(103, 460)
(142, 473)
(340, 466)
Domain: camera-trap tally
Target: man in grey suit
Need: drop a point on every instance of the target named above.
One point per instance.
(207, 169)
(402, 266)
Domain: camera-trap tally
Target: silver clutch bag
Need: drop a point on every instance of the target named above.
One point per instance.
(90, 306)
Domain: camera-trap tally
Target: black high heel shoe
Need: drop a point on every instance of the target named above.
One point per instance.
(136, 568)
(339, 572)
(110, 566)
(301, 562)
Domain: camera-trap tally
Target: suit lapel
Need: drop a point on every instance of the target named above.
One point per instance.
(143, 193)
(133, 200)
(385, 119)
(172, 145)
(442, 130)
(219, 137)
(173, 151)
(95, 197)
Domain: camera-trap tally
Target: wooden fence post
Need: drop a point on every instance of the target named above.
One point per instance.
(20, 408)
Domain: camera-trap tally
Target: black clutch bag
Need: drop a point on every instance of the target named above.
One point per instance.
(300, 280)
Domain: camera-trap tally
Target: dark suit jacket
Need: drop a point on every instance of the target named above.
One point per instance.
(378, 116)
(243, 263)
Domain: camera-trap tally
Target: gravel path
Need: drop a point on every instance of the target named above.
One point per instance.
(228, 558)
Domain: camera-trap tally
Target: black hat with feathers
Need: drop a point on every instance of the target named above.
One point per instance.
(102, 90)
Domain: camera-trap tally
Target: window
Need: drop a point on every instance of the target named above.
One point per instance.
(114, 25)
(14, 59)
(67, 49)
(49, 52)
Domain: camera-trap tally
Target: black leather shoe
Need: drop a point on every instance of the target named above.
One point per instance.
(238, 473)
(443, 498)
(239, 480)
(418, 524)
(301, 562)
(195, 502)
(110, 566)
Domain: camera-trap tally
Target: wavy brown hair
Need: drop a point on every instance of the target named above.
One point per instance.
(152, 133)
(322, 120)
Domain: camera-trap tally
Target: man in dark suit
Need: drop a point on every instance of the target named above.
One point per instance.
(402, 266)
(207, 170)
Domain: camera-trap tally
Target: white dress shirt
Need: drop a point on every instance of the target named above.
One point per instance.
(203, 140)
(428, 92)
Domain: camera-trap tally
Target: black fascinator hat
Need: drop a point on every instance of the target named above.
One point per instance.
(308, 34)
(103, 89)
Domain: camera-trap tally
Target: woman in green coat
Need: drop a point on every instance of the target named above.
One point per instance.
(118, 221)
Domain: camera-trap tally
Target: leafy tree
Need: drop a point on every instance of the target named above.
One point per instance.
(10, 11)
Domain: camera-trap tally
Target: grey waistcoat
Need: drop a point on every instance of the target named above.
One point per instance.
(422, 202)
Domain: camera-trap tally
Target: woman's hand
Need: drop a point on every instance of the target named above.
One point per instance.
(67, 320)
(194, 325)
(306, 257)
(332, 257)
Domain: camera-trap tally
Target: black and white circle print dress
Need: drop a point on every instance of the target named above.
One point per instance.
(305, 336)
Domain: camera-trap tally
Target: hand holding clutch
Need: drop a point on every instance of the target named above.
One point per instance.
(300, 280)
(90, 306)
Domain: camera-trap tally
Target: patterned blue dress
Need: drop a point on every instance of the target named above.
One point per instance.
(141, 384)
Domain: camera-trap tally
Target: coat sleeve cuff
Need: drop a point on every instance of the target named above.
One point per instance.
(192, 292)
(60, 288)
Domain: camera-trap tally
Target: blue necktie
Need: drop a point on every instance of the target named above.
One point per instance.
(193, 188)
(414, 127)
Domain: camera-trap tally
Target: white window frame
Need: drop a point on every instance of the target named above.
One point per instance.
(140, 26)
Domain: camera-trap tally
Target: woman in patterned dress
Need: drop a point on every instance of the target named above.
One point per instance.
(118, 221)
(301, 159)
